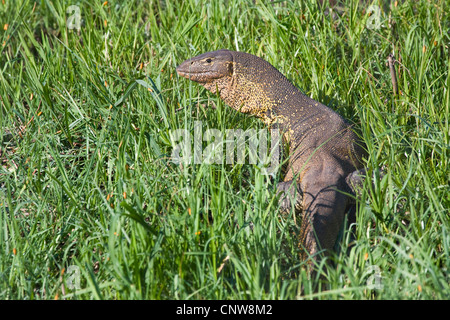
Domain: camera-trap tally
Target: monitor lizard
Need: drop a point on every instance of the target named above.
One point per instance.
(325, 152)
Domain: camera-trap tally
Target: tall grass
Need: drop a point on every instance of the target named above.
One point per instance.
(87, 184)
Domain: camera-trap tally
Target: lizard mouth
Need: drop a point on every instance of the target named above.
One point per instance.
(185, 73)
(197, 76)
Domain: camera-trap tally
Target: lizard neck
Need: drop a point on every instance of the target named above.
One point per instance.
(256, 87)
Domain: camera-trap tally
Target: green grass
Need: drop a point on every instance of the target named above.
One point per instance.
(86, 180)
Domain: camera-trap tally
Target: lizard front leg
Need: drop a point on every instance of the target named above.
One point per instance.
(290, 194)
(324, 206)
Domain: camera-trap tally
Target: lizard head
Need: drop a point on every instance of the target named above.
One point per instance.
(245, 82)
(207, 67)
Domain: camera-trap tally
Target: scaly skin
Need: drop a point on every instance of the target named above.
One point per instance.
(324, 150)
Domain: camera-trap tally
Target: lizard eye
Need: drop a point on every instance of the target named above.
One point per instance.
(208, 60)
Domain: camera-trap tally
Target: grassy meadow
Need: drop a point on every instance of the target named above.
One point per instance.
(92, 207)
